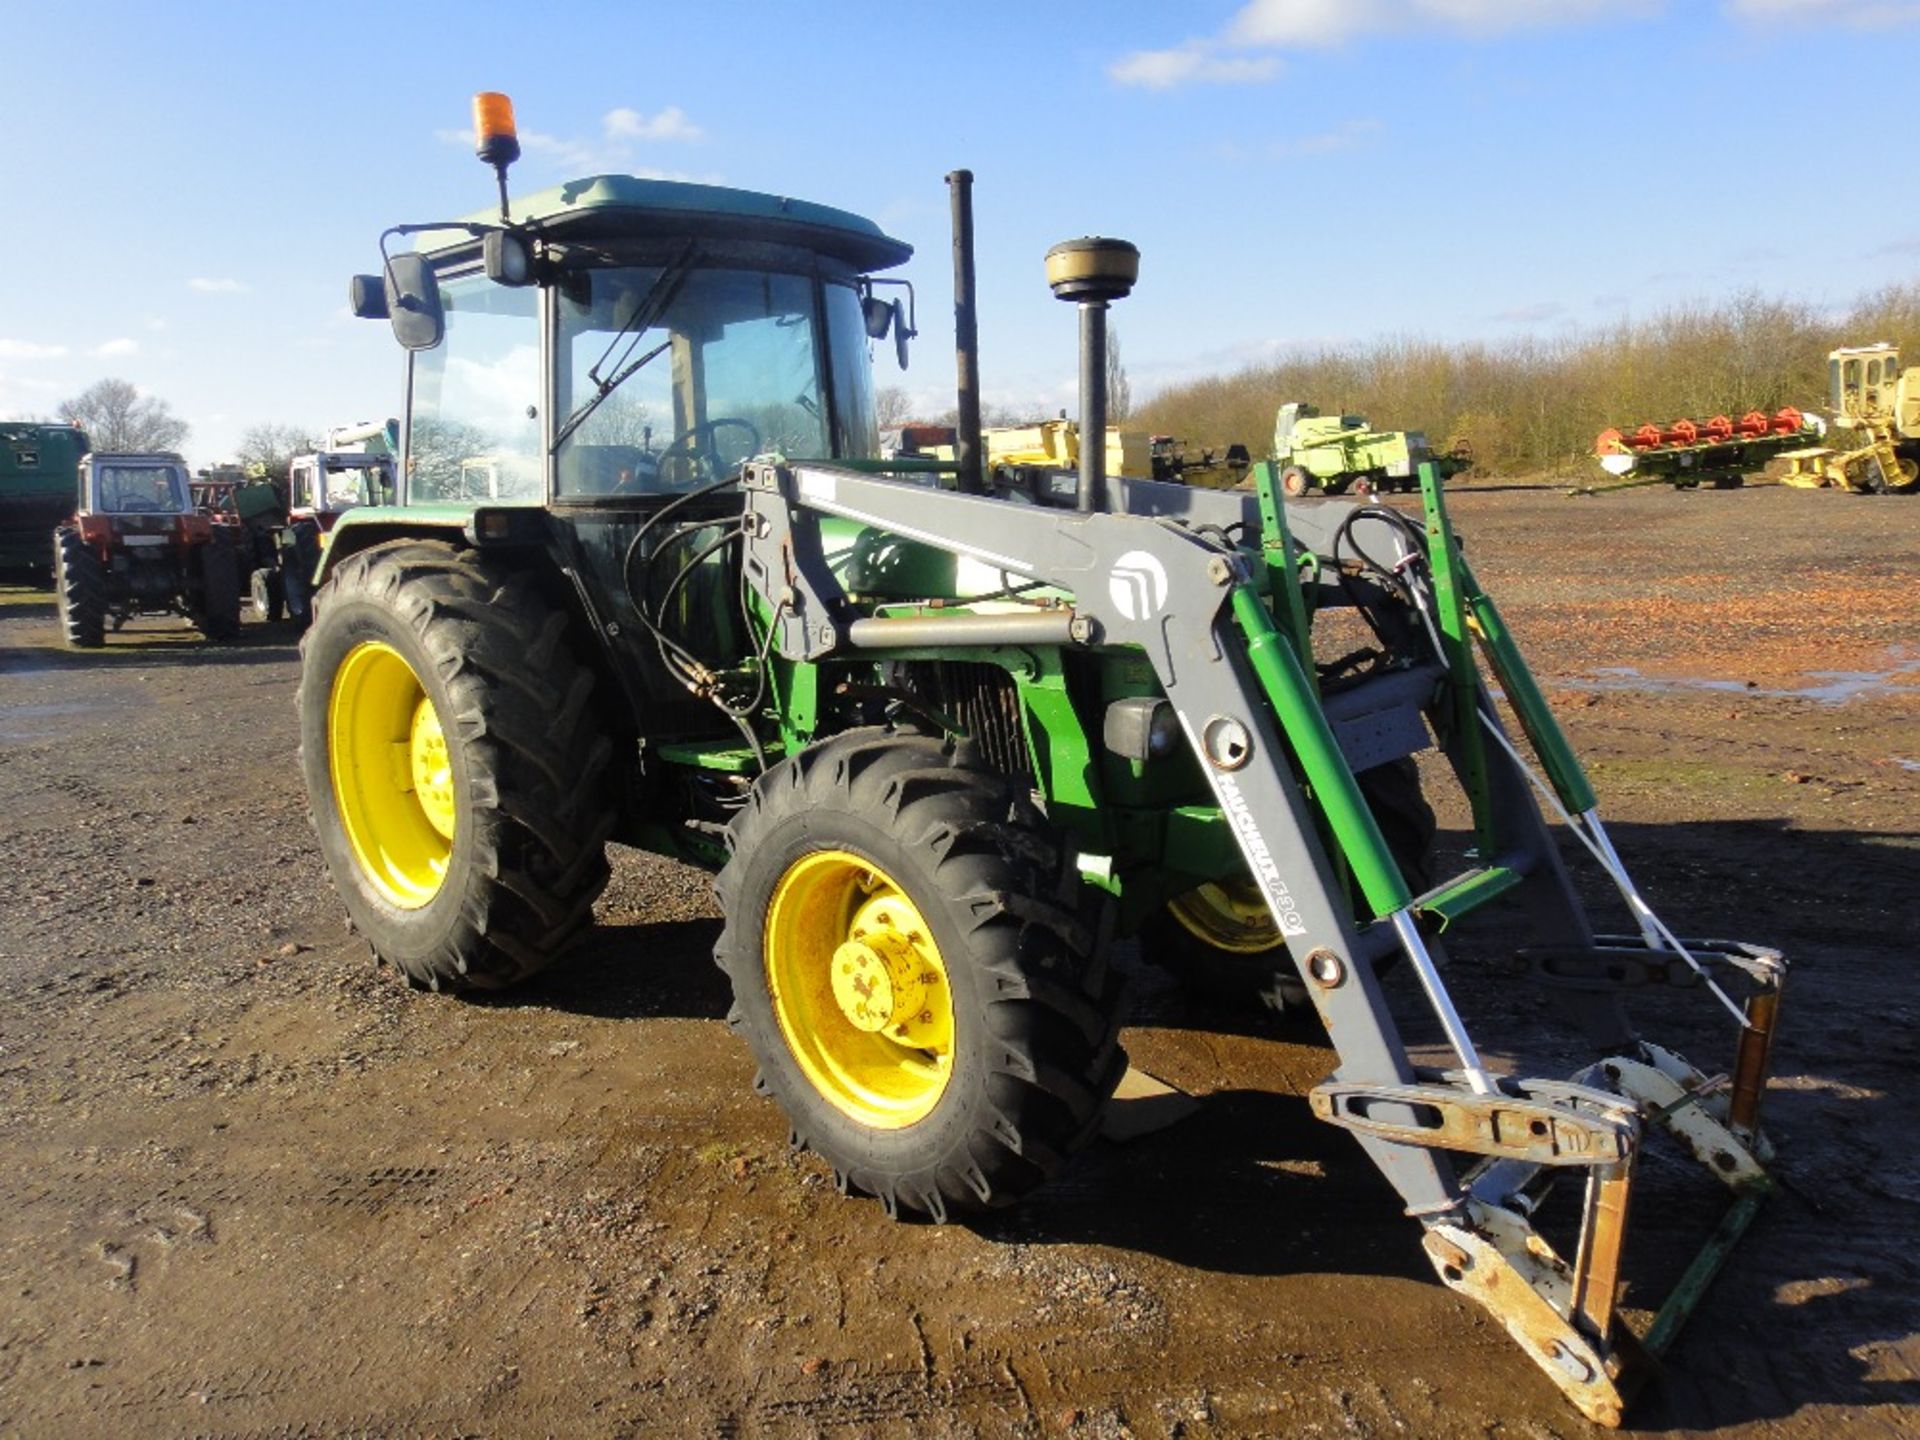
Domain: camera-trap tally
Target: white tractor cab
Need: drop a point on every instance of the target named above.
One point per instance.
(325, 485)
(321, 487)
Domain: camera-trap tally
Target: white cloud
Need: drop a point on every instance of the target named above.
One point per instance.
(1194, 62)
(1348, 136)
(1529, 314)
(119, 346)
(29, 350)
(613, 151)
(1853, 14)
(670, 124)
(1267, 25)
(1304, 24)
(222, 286)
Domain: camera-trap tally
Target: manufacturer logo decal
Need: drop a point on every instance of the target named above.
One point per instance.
(1267, 874)
(1138, 585)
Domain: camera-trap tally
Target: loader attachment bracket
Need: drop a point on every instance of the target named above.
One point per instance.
(1539, 1126)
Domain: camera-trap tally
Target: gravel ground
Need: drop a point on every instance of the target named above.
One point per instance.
(251, 1185)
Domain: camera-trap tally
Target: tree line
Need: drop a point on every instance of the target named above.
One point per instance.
(1536, 404)
(119, 419)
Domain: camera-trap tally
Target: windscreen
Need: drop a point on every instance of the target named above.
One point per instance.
(141, 489)
(670, 376)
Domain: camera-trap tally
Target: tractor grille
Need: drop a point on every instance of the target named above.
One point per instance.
(981, 699)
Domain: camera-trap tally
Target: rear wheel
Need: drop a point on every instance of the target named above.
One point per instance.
(1219, 938)
(80, 584)
(456, 771)
(1295, 481)
(909, 973)
(218, 613)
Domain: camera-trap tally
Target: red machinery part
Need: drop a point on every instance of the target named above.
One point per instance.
(1681, 432)
(1717, 429)
(1610, 442)
(1754, 423)
(1788, 421)
(1645, 438)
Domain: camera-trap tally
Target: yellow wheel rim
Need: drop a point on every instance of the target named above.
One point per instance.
(859, 989)
(392, 777)
(1229, 915)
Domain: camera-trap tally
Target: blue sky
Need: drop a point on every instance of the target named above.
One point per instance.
(191, 184)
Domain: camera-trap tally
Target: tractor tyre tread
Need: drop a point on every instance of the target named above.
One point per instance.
(80, 584)
(535, 804)
(218, 611)
(1047, 1058)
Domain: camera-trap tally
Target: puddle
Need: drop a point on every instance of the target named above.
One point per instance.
(18, 722)
(1905, 764)
(1824, 687)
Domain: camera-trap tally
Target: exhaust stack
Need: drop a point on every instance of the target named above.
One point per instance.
(966, 338)
(1092, 272)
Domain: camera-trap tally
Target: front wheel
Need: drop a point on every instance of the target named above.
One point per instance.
(80, 586)
(299, 559)
(909, 973)
(269, 594)
(455, 769)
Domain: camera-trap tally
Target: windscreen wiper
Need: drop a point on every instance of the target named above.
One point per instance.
(653, 305)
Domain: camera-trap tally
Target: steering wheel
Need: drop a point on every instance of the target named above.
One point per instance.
(704, 460)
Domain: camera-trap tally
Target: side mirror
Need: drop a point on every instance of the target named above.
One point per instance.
(900, 332)
(413, 302)
(507, 257)
(878, 315)
(367, 297)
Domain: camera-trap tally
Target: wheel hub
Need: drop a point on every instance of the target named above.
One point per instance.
(879, 979)
(429, 768)
(859, 989)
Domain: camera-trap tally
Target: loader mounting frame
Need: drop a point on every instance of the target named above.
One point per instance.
(1222, 627)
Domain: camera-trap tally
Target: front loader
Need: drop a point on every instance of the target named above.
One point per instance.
(947, 732)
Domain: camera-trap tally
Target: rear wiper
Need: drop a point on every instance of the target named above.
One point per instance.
(654, 304)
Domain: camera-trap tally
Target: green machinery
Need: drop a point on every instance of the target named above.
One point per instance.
(39, 479)
(946, 732)
(1335, 453)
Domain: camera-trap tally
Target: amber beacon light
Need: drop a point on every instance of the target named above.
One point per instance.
(495, 140)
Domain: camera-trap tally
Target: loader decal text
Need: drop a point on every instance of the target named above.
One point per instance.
(1267, 874)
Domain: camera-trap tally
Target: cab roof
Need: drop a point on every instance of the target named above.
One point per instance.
(598, 206)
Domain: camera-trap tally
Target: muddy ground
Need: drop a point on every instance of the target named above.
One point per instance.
(251, 1185)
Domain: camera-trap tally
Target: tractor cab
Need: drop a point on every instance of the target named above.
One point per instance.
(126, 485)
(323, 486)
(1861, 380)
(621, 340)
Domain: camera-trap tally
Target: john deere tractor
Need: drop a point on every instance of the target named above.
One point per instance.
(137, 545)
(947, 733)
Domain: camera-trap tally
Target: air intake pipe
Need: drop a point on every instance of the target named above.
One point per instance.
(1092, 272)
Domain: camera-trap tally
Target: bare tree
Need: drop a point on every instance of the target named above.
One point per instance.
(272, 446)
(893, 405)
(1119, 390)
(117, 417)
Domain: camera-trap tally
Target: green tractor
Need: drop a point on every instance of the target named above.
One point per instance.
(947, 733)
(1335, 453)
